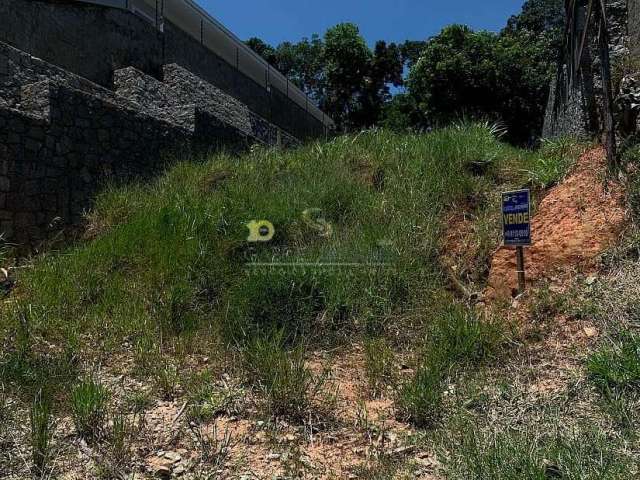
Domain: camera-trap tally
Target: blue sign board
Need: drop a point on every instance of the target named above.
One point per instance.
(516, 218)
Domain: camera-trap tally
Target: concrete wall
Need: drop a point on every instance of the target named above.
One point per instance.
(94, 41)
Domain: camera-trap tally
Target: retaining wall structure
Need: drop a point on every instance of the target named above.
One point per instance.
(93, 41)
(63, 137)
(576, 109)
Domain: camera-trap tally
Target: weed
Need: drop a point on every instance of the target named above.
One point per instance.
(530, 455)
(420, 400)
(42, 427)
(89, 407)
(214, 449)
(458, 337)
(620, 406)
(555, 159)
(281, 374)
(379, 365)
(120, 434)
(139, 401)
(5, 412)
(616, 365)
(167, 379)
(207, 400)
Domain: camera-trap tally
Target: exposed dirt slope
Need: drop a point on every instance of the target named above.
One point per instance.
(573, 225)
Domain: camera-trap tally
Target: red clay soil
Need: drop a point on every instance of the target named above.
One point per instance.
(573, 225)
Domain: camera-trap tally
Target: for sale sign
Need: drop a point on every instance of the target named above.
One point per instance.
(516, 218)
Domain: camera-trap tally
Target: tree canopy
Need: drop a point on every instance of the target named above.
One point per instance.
(459, 72)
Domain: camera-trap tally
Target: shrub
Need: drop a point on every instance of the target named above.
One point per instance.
(88, 406)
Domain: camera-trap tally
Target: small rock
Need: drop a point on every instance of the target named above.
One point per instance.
(173, 456)
(162, 471)
(273, 456)
(590, 332)
(404, 450)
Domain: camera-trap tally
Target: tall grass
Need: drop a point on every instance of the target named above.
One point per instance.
(171, 258)
(527, 454)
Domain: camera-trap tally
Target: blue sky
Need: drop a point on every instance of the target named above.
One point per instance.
(397, 20)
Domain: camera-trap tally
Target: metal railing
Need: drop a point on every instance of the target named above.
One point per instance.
(189, 17)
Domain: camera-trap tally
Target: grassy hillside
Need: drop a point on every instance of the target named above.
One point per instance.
(170, 258)
(167, 276)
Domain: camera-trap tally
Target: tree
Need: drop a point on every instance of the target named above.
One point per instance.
(263, 49)
(347, 60)
(483, 75)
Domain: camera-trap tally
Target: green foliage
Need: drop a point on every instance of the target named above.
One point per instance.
(459, 338)
(379, 365)
(542, 18)
(167, 378)
(120, 436)
(89, 408)
(42, 427)
(341, 73)
(286, 382)
(483, 75)
(556, 158)
(616, 365)
(529, 455)
(175, 259)
(208, 400)
(420, 400)
(456, 339)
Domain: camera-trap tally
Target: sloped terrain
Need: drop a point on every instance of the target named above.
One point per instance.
(572, 226)
(168, 346)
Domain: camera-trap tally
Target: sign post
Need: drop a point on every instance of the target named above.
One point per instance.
(516, 227)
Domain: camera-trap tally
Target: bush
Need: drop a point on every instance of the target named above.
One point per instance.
(89, 408)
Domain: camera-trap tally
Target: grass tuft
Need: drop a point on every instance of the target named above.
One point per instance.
(89, 408)
(287, 384)
(42, 427)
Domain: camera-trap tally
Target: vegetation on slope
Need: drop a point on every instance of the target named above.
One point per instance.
(168, 273)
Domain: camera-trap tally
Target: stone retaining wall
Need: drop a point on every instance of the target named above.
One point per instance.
(93, 41)
(63, 137)
(62, 146)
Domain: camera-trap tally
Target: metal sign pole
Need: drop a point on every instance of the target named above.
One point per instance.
(520, 270)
